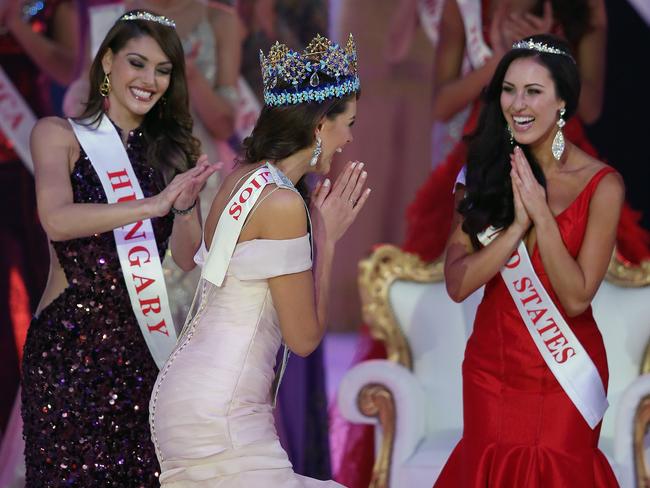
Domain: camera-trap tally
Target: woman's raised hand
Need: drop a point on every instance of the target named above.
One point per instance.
(520, 26)
(183, 190)
(532, 195)
(522, 219)
(334, 207)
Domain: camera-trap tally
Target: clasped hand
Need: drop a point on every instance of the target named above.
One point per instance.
(528, 195)
(335, 207)
(183, 190)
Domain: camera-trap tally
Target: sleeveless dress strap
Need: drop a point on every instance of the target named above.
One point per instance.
(591, 186)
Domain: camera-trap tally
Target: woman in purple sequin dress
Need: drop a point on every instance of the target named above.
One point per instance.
(87, 370)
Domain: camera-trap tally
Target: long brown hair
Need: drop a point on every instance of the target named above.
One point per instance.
(281, 131)
(167, 127)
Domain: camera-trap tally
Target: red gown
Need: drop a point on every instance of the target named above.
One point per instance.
(429, 218)
(520, 427)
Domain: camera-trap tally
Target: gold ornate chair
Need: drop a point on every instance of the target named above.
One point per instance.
(414, 397)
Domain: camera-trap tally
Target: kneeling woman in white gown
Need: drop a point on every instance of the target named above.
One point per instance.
(211, 408)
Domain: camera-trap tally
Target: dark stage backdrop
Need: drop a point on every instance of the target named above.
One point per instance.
(622, 135)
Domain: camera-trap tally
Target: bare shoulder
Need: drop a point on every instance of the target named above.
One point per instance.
(611, 188)
(283, 203)
(237, 178)
(53, 141)
(282, 215)
(53, 127)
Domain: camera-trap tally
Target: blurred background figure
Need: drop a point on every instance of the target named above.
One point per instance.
(393, 131)
(39, 42)
(292, 22)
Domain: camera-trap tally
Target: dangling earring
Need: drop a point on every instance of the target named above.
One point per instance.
(316, 154)
(558, 140)
(510, 134)
(104, 90)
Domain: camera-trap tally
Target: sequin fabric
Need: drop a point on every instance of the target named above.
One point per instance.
(87, 371)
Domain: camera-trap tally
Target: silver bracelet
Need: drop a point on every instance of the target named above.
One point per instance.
(175, 211)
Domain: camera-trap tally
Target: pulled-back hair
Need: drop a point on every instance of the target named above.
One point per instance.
(488, 198)
(167, 127)
(281, 131)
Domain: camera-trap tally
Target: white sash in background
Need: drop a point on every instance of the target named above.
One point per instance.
(16, 119)
(136, 243)
(477, 50)
(556, 342)
(429, 14)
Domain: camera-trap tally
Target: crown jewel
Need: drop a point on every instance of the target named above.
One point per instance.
(302, 69)
(144, 15)
(540, 47)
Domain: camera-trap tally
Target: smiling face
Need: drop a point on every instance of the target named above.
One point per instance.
(335, 133)
(140, 74)
(529, 102)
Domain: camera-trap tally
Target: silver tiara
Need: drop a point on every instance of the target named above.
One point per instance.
(540, 47)
(144, 15)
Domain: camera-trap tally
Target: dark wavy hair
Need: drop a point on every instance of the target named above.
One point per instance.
(167, 127)
(488, 192)
(281, 131)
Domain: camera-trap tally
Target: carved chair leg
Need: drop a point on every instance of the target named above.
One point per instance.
(376, 400)
(641, 426)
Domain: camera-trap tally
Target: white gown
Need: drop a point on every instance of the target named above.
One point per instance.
(210, 412)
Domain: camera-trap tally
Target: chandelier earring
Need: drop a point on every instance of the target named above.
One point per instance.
(558, 141)
(104, 90)
(510, 134)
(317, 151)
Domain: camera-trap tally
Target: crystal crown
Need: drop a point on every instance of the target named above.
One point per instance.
(301, 70)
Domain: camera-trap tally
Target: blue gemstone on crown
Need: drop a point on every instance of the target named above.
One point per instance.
(301, 71)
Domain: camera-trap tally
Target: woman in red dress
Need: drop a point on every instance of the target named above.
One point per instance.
(583, 23)
(520, 426)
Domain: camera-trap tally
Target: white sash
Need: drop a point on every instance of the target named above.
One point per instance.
(233, 218)
(430, 13)
(477, 50)
(556, 342)
(230, 226)
(136, 243)
(16, 119)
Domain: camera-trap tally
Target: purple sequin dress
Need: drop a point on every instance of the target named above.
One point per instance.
(87, 371)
